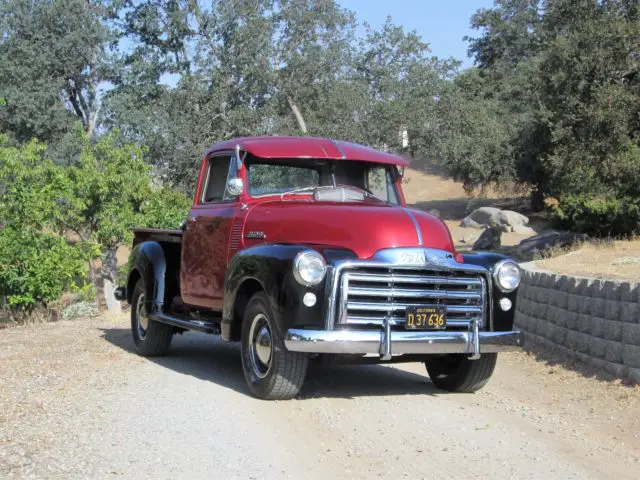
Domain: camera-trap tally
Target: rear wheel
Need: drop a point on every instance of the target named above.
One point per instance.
(271, 371)
(151, 338)
(456, 373)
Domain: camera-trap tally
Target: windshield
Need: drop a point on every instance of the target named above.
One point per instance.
(266, 177)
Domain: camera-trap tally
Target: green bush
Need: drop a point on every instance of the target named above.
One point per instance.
(37, 267)
(598, 216)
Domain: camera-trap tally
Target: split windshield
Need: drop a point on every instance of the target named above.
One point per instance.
(310, 176)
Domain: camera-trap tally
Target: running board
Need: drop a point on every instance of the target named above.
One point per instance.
(187, 323)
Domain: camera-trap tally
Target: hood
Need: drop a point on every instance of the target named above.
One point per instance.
(360, 227)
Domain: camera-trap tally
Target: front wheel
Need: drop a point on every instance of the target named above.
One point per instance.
(271, 371)
(456, 373)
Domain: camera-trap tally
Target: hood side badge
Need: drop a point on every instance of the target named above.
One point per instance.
(254, 235)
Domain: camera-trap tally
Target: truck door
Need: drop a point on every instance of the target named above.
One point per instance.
(205, 244)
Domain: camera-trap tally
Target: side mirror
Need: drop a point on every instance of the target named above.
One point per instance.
(235, 186)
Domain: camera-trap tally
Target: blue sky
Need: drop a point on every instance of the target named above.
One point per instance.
(441, 23)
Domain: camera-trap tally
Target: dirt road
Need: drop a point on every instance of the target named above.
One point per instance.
(76, 403)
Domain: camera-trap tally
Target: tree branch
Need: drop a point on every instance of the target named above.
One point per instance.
(74, 102)
(298, 115)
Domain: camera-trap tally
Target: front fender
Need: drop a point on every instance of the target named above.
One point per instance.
(147, 260)
(502, 321)
(271, 266)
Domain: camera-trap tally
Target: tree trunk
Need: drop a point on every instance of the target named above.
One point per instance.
(93, 278)
(109, 276)
(298, 115)
(537, 200)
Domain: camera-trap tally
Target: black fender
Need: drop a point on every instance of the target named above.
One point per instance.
(148, 261)
(270, 268)
(502, 321)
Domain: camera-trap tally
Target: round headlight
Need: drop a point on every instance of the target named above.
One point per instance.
(507, 275)
(309, 268)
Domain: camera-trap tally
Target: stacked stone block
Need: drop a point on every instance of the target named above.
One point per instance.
(596, 321)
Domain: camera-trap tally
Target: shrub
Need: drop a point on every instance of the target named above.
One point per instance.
(598, 216)
(36, 267)
(80, 310)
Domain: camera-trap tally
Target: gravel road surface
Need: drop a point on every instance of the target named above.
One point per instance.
(75, 402)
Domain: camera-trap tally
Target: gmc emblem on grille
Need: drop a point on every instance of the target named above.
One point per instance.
(441, 259)
(413, 258)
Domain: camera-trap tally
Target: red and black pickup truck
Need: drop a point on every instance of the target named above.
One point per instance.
(303, 248)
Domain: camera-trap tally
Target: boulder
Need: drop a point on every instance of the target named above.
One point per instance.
(491, 216)
(480, 217)
(489, 239)
(523, 230)
(467, 222)
(511, 218)
(529, 247)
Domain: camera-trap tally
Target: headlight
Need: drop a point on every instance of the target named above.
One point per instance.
(309, 268)
(507, 275)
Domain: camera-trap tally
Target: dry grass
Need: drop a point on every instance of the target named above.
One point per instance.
(618, 259)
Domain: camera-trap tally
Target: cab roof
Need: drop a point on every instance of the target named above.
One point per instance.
(307, 147)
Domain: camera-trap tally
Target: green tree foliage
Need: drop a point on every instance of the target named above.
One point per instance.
(205, 71)
(563, 77)
(53, 56)
(36, 263)
(474, 140)
(599, 216)
(37, 267)
(89, 207)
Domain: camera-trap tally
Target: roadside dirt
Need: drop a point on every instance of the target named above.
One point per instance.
(619, 260)
(75, 402)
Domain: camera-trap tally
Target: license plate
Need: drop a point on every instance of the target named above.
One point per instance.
(426, 318)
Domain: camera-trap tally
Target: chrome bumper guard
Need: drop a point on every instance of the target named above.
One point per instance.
(361, 342)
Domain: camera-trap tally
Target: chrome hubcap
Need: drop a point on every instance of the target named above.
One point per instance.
(142, 317)
(261, 345)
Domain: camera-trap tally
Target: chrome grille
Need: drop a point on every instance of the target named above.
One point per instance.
(368, 296)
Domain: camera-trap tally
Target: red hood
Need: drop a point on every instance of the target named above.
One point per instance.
(360, 227)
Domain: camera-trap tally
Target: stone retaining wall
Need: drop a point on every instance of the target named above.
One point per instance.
(595, 321)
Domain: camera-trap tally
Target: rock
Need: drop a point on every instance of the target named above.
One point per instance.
(113, 305)
(491, 216)
(489, 239)
(467, 222)
(480, 216)
(435, 212)
(511, 218)
(529, 247)
(523, 230)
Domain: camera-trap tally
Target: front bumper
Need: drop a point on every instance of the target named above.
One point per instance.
(361, 342)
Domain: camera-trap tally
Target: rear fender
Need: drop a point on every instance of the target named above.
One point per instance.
(147, 260)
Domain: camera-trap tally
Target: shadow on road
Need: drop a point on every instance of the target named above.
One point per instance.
(210, 359)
